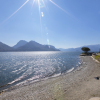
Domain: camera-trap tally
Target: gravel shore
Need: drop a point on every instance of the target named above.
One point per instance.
(80, 84)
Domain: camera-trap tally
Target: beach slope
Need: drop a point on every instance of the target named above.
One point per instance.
(80, 84)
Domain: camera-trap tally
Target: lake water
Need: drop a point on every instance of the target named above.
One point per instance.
(23, 67)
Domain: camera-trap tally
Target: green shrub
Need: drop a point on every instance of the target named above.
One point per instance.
(97, 57)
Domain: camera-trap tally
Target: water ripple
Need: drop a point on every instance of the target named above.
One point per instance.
(28, 66)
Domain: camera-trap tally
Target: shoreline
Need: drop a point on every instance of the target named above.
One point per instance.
(12, 84)
(7, 86)
(77, 85)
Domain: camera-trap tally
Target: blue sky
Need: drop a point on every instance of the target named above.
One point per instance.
(62, 23)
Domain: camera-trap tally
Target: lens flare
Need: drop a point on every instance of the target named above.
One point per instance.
(48, 41)
(16, 11)
(42, 14)
(41, 3)
(59, 7)
(33, 2)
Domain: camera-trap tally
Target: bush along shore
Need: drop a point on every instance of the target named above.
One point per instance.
(96, 56)
(86, 53)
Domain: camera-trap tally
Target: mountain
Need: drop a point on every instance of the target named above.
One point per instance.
(23, 45)
(93, 48)
(34, 46)
(20, 43)
(4, 47)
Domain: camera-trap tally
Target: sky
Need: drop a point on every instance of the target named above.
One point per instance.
(61, 23)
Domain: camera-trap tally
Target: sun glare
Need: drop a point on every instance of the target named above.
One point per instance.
(33, 2)
(16, 11)
(59, 7)
(41, 4)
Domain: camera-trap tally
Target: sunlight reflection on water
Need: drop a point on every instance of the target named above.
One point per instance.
(21, 66)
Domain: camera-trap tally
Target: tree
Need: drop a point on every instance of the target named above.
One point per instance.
(85, 49)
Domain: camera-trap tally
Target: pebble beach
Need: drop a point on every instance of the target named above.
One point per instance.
(81, 84)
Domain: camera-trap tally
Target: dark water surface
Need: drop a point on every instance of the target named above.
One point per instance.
(22, 67)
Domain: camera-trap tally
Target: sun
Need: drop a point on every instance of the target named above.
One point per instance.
(41, 4)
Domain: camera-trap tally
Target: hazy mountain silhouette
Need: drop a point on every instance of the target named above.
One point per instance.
(4, 47)
(23, 45)
(34, 46)
(93, 48)
(20, 43)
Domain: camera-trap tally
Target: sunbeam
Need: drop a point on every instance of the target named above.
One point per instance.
(39, 6)
(59, 7)
(43, 2)
(33, 2)
(40, 15)
(44, 5)
(15, 11)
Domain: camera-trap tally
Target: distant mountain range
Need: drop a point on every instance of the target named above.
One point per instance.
(93, 48)
(23, 45)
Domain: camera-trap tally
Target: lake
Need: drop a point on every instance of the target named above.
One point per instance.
(22, 67)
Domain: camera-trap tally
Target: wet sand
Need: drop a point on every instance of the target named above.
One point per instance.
(80, 84)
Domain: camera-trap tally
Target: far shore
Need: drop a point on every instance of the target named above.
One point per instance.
(81, 84)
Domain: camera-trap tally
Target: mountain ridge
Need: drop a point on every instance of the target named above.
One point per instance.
(34, 46)
(20, 43)
(23, 45)
(93, 48)
(4, 47)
